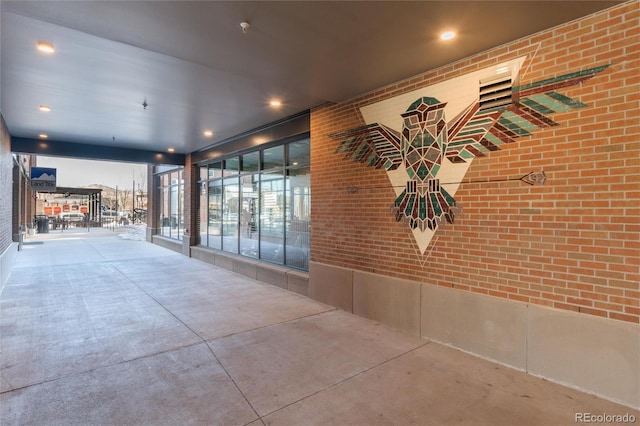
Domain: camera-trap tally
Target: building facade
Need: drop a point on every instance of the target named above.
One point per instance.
(522, 247)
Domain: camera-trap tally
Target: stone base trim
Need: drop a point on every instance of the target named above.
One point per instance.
(595, 355)
(168, 243)
(277, 275)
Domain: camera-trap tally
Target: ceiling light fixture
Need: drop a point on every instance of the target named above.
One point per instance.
(447, 35)
(171, 150)
(275, 103)
(43, 136)
(208, 133)
(245, 26)
(45, 108)
(45, 47)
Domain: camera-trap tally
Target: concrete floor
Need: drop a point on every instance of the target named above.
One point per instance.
(101, 330)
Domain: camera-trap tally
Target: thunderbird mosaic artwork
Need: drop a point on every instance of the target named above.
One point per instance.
(501, 113)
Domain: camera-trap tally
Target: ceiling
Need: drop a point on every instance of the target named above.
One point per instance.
(197, 70)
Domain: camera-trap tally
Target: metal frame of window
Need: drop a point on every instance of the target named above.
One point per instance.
(282, 170)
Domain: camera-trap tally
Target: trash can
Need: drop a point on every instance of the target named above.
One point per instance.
(42, 223)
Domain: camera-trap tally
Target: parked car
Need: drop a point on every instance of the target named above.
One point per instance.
(71, 217)
(109, 215)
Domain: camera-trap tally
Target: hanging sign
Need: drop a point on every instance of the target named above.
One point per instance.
(43, 179)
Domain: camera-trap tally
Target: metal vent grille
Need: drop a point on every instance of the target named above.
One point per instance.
(495, 92)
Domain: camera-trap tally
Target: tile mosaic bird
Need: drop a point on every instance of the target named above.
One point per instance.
(501, 114)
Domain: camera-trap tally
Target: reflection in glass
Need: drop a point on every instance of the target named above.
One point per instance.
(215, 170)
(231, 166)
(298, 215)
(180, 210)
(273, 157)
(202, 213)
(171, 200)
(298, 153)
(214, 228)
(272, 217)
(165, 217)
(249, 216)
(251, 162)
(258, 205)
(230, 214)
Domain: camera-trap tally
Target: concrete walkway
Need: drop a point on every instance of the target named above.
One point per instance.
(111, 331)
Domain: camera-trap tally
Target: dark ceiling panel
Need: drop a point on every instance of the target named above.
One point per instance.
(93, 152)
(197, 70)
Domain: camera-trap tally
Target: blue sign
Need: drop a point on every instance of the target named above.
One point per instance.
(43, 179)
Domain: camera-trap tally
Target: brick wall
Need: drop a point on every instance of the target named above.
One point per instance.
(572, 244)
(6, 200)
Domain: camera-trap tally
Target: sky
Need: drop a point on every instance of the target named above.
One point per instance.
(81, 173)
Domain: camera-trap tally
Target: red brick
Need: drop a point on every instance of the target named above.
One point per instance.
(571, 244)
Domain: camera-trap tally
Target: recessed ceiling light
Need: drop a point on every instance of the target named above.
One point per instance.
(208, 133)
(45, 108)
(275, 103)
(447, 35)
(45, 47)
(170, 149)
(43, 136)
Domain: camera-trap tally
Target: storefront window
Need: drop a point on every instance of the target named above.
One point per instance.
(272, 217)
(214, 229)
(298, 154)
(251, 162)
(273, 158)
(298, 213)
(214, 170)
(204, 200)
(171, 191)
(258, 204)
(231, 166)
(249, 235)
(230, 214)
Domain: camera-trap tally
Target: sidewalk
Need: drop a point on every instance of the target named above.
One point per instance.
(112, 331)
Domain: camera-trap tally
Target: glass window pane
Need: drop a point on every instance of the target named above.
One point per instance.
(171, 201)
(251, 162)
(298, 153)
(174, 211)
(273, 157)
(231, 166)
(230, 216)
(214, 228)
(298, 214)
(165, 216)
(249, 216)
(180, 230)
(204, 201)
(215, 170)
(272, 217)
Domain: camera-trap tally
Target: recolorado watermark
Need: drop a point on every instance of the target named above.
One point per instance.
(604, 418)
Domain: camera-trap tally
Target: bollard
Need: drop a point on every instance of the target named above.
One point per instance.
(20, 238)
